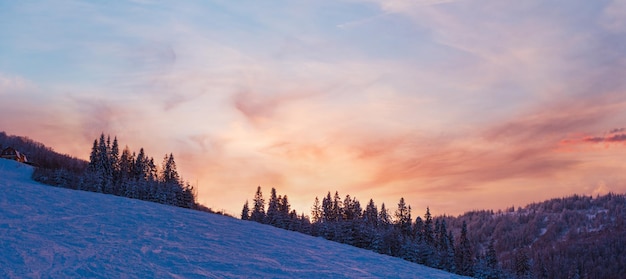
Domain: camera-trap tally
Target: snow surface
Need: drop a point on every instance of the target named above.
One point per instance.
(61, 233)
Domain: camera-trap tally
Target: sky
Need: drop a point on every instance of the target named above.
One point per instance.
(455, 105)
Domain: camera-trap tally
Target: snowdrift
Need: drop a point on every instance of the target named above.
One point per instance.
(61, 233)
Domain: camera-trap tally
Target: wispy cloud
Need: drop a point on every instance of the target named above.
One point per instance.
(608, 138)
(257, 107)
(406, 6)
(12, 84)
(611, 138)
(381, 99)
(617, 130)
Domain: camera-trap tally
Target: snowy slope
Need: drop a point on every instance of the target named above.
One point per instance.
(60, 233)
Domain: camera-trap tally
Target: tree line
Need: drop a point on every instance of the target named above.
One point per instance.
(426, 241)
(127, 174)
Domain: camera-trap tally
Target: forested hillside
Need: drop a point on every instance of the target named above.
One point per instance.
(110, 170)
(42, 156)
(573, 237)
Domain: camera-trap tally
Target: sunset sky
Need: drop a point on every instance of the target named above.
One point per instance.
(455, 105)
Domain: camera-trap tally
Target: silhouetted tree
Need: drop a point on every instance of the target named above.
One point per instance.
(245, 212)
(428, 233)
(316, 211)
(371, 214)
(258, 211)
(403, 218)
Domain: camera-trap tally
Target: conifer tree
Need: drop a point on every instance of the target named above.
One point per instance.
(141, 166)
(316, 211)
(105, 171)
(245, 212)
(272, 208)
(258, 211)
(442, 235)
(428, 228)
(94, 157)
(491, 257)
(170, 174)
(327, 209)
(436, 233)
(464, 257)
(93, 177)
(383, 216)
(188, 199)
(418, 229)
(114, 158)
(348, 207)
(522, 264)
(284, 212)
(403, 218)
(371, 214)
(127, 162)
(488, 266)
(337, 208)
(356, 209)
(445, 248)
(152, 170)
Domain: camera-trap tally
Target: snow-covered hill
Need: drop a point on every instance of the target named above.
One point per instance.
(60, 233)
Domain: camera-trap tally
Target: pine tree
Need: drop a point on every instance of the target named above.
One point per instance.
(356, 209)
(284, 213)
(428, 228)
(105, 169)
(305, 226)
(491, 257)
(348, 214)
(403, 218)
(418, 230)
(445, 247)
(436, 233)
(245, 212)
(327, 209)
(316, 211)
(141, 166)
(188, 199)
(258, 211)
(152, 170)
(127, 162)
(114, 158)
(464, 257)
(94, 157)
(93, 179)
(383, 216)
(272, 209)
(522, 264)
(449, 253)
(488, 266)
(337, 208)
(371, 214)
(442, 235)
(170, 174)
